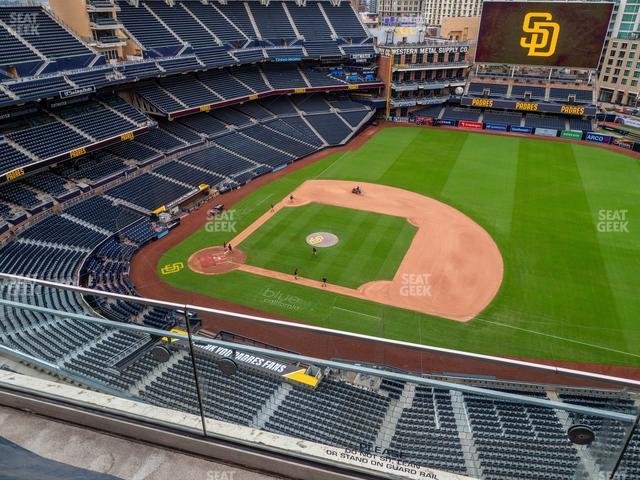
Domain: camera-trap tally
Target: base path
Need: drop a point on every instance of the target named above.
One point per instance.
(452, 269)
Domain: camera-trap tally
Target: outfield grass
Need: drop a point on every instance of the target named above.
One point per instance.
(570, 289)
(371, 246)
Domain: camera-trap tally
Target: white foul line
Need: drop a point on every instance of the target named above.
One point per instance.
(357, 313)
(557, 338)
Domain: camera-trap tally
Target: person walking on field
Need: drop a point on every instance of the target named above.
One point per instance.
(230, 248)
(295, 274)
(324, 282)
(314, 251)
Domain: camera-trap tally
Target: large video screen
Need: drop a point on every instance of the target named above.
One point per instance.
(543, 33)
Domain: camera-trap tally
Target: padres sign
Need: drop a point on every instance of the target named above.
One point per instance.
(554, 34)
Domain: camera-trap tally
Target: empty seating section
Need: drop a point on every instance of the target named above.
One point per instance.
(252, 55)
(103, 213)
(280, 105)
(285, 53)
(272, 21)
(580, 124)
(160, 98)
(235, 399)
(180, 64)
(539, 121)
(279, 141)
(298, 123)
(253, 150)
(310, 22)
(14, 51)
(144, 27)
(178, 130)
(306, 136)
(182, 23)
(98, 77)
(96, 121)
(19, 194)
(43, 33)
(330, 127)
(215, 21)
(355, 118)
(254, 110)
(161, 140)
(34, 89)
(61, 231)
(427, 433)
(251, 78)
(189, 91)
(52, 184)
(502, 118)
(468, 114)
(320, 79)
(48, 138)
(563, 94)
(133, 151)
(351, 417)
(219, 161)
(536, 93)
(188, 174)
(204, 124)
(215, 57)
(610, 434)
(148, 191)
(311, 103)
(509, 434)
(282, 77)
(10, 158)
(492, 89)
(118, 104)
(344, 21)
(225, 85)
(237, 13)
(229, 116)
(322, 49)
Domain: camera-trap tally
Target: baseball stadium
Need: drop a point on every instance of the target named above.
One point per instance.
(253, 239)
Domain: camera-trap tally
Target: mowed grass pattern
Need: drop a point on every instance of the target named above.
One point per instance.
(370, 247)
(570, 289)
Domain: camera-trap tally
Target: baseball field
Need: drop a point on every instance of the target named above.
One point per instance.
(564, 218)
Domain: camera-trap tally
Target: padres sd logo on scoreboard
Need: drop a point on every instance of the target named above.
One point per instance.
(542, 38)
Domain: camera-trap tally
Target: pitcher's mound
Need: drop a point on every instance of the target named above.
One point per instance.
(322, 239)
(216, 260)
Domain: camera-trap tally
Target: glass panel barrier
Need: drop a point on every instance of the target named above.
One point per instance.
(328, 408)
(50, 333)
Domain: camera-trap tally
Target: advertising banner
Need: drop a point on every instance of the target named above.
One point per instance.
(546, 132)
(444, 122)
(516, 129)
(598, 138)
(467, 124)
(495, 127)
(573, 134)
(626, 144)
(552, 34)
